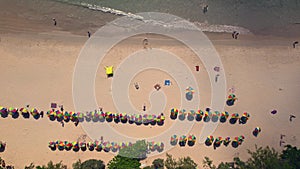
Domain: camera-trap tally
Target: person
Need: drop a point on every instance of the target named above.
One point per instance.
(144, 107)
(291, 117)
(216, 78)
(136, 85)
(101, 109)
(62, 123)
(281, 142)
(145, 43)
(62, 108)
(281, 136)
(42, 114)
(89, 34)
(236, 35)
(233, 33)
(205, 9)
(55, 22)
(294, 44)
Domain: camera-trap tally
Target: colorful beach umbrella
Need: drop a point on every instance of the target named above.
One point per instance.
(256, 131)
(226, 141)
(174, 139)
(218, 141)
(68, 145)
(12, 111)
(174, 113)
(209, 140)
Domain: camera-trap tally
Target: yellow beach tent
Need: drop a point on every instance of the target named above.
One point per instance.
(109, 71)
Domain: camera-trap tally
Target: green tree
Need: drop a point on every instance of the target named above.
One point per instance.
(51, 165)
(291, 157)
(31, 166)
(186, 163)
(158, 163)
(170, 162)
(121, 162)
(89, 164)
(263, 158)
(208, 163)
(138, 150)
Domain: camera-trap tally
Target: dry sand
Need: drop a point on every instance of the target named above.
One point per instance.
(37, 68)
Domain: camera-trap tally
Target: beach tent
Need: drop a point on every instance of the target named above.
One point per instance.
(109, 71)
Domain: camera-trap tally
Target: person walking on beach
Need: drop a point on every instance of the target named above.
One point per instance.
(145, 43)
(144, 107)
(291, 117)
(54, 21)
(205, 9)
(42, 114)
(295, 43)
(89, 34)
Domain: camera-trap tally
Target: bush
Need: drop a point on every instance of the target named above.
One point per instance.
(121, 162)
(89, 164)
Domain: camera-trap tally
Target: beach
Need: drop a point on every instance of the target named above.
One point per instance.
(37, 66)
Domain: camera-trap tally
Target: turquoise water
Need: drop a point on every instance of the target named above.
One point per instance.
(259, 16)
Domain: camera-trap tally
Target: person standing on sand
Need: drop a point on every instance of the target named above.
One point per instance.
(89, 34)
(54, 22)
(205, 9)
(295, 43)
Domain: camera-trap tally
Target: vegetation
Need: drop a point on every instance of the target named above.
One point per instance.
(185, 162)
(138, 150)
(89, 164)
(121, 162)
(262, 158)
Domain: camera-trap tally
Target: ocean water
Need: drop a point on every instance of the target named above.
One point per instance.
(257, 16)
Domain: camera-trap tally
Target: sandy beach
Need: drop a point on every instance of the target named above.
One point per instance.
(37, 65)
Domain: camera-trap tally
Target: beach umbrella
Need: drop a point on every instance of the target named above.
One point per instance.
(12, 111)
(34, 112)
(235, 142)
(3, 111)
(199, 115)
(24, 111)
(191, 114)
(73, 116)
(67, 116)
(235, 116)
(101, 116)
(131, 118)
(145, 119)
(189, 93)
(108, 116)
(226, 141)
(80, 116)
(95, 115)
(174, 113)
(207, 115)
(52, 145)
(88, 115)
(224, 114)
(59, 115)
(68, 145)
(99, 146)
(173, 140)
(123, 117)
(182, 114)
(128, 144)
(160, 146)
(209, 140)
(215, 116)
(82, 145)
(60, 144)
(51, 114)
(116, 116)
(256, 131)
(122, 145)
(218, 141)
(107, 146)
(151, 145)
(138, 119)
(75, 145)
(182, 140)
(244, 118)
(91, 145)
(191, 140)
(231, 99)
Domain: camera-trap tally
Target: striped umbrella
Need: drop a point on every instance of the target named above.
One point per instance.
(80, 115)
(67, 116)
(99, 146)
(34, 112)
(52, 144)
(107, 146)
(244, 117)
(224, 114)
(68, 145)
(174, 139)
(59, 115)
(209, 139)
(235, 116)
(24, 111)
(218, 140)
(199, 115)
(75, 145)
(226, 141)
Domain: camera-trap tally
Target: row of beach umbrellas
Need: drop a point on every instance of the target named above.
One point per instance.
(99, 146)
(216, 142)
(88, 116)
(183, 140)
(208, 115)
(106, 116)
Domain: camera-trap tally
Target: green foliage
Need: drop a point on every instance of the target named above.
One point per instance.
(291, 156)
(31, 166)
(121, 162)
(89, 164)
(51, 165)
(208, 163)
(158, 163)
(181, 163)
(148, 167)
(138, 150)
